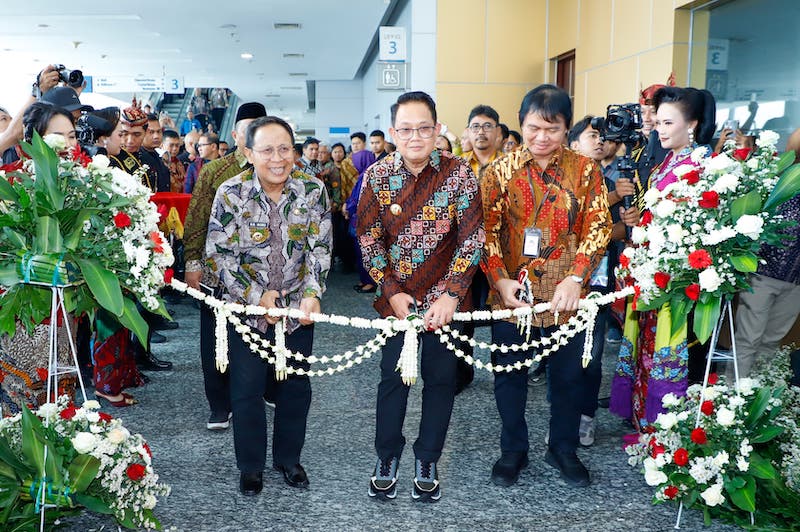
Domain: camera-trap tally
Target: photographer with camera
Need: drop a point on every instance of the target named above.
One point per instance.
(99, 132)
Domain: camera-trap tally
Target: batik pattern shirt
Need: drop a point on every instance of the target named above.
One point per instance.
(420, 235)
(255, 244)
(477, 168)
(572, 204)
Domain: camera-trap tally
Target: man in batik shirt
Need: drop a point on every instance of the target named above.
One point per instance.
(420, 227)
(269, 242)
(546, 213)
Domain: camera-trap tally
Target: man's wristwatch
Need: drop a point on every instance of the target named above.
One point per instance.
(577, 278)
(452, 294)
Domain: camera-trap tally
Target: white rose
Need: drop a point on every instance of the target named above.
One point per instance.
(651, 197)
(699, 154)
(92, 417)
(675, 233)
(100, 162)
(767, 138)
(722, 458)
(725, 417)
(48, 411)
(84, 442)
(683, 169)
(742, 464)
(118, 435)
(55, 141)
(149, 502)
(709, 394)
(720, 162)
(713, 495)
(750, 225)
(668, 400)
(665, 208)
(715, 236)
(667, 421)
(638, 234)
(736, 400)
(709, 280)
(652, 474)
(753, 163)
(91, 404)
(683, 416)
(746, 386)
(725, 182)
(656, 236)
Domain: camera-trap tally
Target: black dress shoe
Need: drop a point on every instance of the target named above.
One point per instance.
(145, 378)
(148, 362)
(250, 484)
(570, 467)
(157, 338)
(294, 475)
(506, 470)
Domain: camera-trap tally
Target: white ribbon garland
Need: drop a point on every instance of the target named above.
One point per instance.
(408, 363)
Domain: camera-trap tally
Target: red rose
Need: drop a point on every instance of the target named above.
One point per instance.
(105, 417)
(692, 291)
(657, 449)
(741, 154)
(691, 177)
(68, 413)
(699, 436)
(135, 472)
(707, 408)
(624, 261)
(122, 220)
(670, 492)
(681, 457)
(710, 200)
(647, 217)
(661, 279)
(700, 259)
(168, 274)
(713, 378)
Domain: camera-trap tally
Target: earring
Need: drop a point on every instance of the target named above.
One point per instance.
(691, 136)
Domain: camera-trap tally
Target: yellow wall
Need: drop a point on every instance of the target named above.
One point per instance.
(494, 51)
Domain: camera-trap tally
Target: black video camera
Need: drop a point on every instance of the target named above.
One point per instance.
(73, 78)
(621, 124)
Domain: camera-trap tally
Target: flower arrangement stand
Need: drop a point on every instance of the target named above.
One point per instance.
(54, 369)
(717, 355)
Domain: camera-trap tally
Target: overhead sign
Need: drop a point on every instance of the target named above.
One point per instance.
(391, 76)
(718, 54)
(170, 85)
(392, 41)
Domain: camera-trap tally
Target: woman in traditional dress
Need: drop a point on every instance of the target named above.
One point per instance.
(653, 361)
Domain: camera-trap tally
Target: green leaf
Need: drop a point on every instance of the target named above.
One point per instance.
(45, 162)
(93, 504)
(785, 160)
(7, 192)
(706, 316)
(48, 236)
(9, 491)
(9, 275)
(103, 284)
(745, 498)
(680, 307)
(32, 441)
(82, 471)
(786, 188)
(133, 321)
(74, 237)
(7, 471)
(767, 433)
(750, 203)
(761, 467)
(14, 238)
(757, 407)
(747, 263)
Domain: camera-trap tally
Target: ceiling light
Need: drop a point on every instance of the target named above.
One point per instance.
(227, 26)
(286, 26)
(43, 25)
(298, 74)
(293, 56)
(291, 88)
(247, 55)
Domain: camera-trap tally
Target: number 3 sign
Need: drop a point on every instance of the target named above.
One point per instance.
(392, 44)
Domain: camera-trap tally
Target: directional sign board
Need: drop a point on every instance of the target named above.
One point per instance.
(171, 85)
(391, 76)
(392, 44)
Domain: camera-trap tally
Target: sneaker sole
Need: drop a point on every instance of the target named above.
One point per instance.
(426, 496)
(382, 495)
(218, 426)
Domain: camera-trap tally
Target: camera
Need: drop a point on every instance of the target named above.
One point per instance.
(88, 129)
(621, 124)
(73, 78)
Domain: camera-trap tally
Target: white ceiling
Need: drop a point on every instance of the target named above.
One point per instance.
(200, 41)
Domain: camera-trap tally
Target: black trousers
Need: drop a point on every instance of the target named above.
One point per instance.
(594, 371)
(566, 382)
(251, 376)
(217, 385)
(438, 372)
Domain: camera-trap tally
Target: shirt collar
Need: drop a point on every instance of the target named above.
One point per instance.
(526, 155)
(435, 159)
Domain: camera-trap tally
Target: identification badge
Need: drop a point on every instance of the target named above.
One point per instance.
(532, 245)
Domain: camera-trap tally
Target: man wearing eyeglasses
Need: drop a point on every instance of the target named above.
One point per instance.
(269, 241)
(420, 227)
(484, 133)
(208, 150)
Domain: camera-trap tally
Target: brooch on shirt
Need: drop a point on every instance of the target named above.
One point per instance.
(395, 209)
(259, 232)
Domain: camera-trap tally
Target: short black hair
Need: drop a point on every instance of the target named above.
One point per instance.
(38, 115)
(110, 115)
(548, 101)
(339, 145)
(152, 117)
(483, 110)
(258, 123)
(503, 131)
(449, 144)
(359, 135)
(695, 104)
(377, 133)
(579, 127)
(171, 134)
(298, 149)
(516, 135)
(309, 141)
(211, 138)
(414, 96)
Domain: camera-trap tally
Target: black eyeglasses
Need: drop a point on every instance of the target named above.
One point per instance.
(486, 127)
(405, 133)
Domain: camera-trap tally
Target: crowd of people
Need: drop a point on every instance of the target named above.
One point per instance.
(433, 224)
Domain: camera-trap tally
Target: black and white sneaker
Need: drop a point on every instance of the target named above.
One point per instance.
(426, 482)
(219, 421)
(383, 483)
